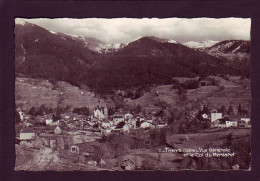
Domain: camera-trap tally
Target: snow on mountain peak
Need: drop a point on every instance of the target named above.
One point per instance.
(203, 44)
(110, 47)
(137, 38)
(172, 41)
(19, 21)
(53, 32)
(231, 46)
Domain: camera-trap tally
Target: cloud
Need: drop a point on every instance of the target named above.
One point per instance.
(129, 29)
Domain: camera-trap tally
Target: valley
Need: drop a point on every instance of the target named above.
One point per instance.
(86, 104)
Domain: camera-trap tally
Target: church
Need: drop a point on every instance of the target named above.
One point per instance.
(100, 113)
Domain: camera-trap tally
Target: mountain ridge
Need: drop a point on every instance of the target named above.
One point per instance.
(147, 60)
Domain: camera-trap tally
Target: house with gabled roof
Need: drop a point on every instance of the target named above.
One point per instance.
(117, 119)
(244, 122)
(27, 133)
(128, 116)
(48, 121)
(215, 116)
(146, 125)
(57, 130)
(106, 124)
(231, 123)
(49, 129)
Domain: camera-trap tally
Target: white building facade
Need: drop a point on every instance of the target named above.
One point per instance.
(215, 116)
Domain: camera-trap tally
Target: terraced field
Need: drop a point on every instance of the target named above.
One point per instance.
(35, 92)
(228, 92)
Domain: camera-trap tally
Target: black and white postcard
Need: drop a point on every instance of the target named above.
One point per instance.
(119, 94)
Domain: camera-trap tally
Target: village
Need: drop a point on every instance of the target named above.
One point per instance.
(65, 126)
(89, 103)
(84, 132)
(121, 122)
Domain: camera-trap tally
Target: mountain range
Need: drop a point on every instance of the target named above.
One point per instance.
(105, 66)
(198, 45)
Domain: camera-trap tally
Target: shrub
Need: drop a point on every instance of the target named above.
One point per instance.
(157, 137)
(162, 104)
(191, 84)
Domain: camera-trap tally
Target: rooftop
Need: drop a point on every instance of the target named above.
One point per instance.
(27, 130)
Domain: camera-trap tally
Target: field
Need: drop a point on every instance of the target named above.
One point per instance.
(235, 91)
(164, 93)
(232, 91)
(35, 92)
(228, 92)
(235, 141)
(207, 138)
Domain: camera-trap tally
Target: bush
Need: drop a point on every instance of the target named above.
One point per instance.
(191, 84)
(34, 111)
(38, 143)
(82, 111)
(118, 144)
(157, 137)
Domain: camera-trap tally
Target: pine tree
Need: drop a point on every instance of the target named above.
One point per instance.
(205, 109)
(239, 108)
(138, 108)
(17, 117)
(32, 111)
(230, 110)
(223, 110)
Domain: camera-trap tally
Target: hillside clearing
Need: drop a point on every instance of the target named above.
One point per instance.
(35, 92)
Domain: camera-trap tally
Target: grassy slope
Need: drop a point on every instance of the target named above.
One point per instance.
(149, 98)
(32, 92)
(206, 139)
(234, 93)
(35, 92)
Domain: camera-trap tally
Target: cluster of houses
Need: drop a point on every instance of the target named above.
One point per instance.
(218, 120)
(100, 122)
(53, 132)
(121, 122)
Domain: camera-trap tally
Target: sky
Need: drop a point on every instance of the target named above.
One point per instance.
(124, 30)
